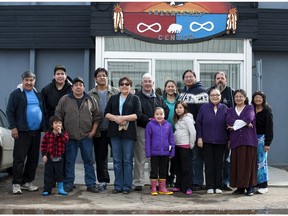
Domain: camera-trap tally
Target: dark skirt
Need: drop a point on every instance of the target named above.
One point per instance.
(243, 167)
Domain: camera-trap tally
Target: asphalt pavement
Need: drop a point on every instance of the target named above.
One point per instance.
(82, 202)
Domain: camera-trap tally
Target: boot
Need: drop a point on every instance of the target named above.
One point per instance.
(153, 187)
(61, 189)
(162, 187)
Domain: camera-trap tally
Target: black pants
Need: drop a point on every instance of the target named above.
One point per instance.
(26, 147)
(101, 156)
(53, 173)
(159, 166)
(214, 158)
(183, 168)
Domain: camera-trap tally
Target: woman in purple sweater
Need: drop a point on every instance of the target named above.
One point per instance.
(212, 137)
(243, 142)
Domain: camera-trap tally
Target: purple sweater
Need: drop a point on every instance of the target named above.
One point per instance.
(158, 138)
(245, 135)
(211, 127)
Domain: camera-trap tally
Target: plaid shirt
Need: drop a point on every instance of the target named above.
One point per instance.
(54, 144)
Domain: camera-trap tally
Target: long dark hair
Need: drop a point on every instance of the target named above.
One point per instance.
(264, 103)
(166, 83)
(185, 106)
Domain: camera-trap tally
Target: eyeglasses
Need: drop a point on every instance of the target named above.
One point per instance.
(215, 95)
(124, 84)
(101, 76)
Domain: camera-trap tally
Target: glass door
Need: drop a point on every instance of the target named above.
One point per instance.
(134, 69)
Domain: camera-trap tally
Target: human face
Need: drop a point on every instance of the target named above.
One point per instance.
(180, 110)
(239, 99)
(215, 96)
(170, 88)
(60, 77)
(258, 100)
(147, 84)
(56, 125)
(159, 115)
(220, 81)
(28, 83)
(189, 79)
(101, 78)
(125, 87)
(78, 89)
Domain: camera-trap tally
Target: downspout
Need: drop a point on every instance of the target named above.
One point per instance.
(259, 74)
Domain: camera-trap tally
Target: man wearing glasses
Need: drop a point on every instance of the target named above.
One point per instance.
(102, 92)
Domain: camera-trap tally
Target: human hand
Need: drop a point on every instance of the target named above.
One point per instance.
(266, 148)
(14, 133)
(44, 159)
(200, 143)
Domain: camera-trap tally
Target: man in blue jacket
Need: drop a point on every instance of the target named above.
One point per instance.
(25, 113)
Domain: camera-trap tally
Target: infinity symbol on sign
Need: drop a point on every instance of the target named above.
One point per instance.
(202, 26)
(149, 27)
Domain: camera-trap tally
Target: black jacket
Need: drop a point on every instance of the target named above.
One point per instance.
(148, 105)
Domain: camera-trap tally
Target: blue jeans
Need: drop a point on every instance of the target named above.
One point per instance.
(86, 149)
(122, 150)
(197, 164)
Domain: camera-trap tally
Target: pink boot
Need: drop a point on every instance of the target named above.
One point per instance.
(153, 187)
(162, 187)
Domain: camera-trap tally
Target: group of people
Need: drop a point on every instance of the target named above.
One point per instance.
(177, 132)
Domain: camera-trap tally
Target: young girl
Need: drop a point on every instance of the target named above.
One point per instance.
(159, 146)
(185, 136)
(52, 150)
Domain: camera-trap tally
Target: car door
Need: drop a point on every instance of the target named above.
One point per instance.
(6, 143)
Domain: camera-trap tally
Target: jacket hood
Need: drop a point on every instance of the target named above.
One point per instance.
(189, 115)
(20, 86)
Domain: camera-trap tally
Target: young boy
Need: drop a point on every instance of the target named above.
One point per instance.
(52, 150)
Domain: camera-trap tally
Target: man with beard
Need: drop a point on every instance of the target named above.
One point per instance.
(220, 82)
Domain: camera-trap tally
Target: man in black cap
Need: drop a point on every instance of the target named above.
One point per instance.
(52, 92)
(80, 115)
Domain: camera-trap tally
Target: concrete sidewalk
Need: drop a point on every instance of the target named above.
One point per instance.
(82, 202)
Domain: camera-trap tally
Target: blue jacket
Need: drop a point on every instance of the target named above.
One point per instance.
(17, 107)
(158, 138)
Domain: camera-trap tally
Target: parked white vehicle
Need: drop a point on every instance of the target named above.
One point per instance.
(6, 145)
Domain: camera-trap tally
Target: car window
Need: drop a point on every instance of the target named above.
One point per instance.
(3, 120)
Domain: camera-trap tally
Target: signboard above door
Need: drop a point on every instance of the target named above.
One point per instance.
(175, 22)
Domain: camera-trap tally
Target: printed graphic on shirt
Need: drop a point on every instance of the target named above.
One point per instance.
(194, 98)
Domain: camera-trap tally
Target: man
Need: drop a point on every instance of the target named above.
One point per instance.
(102, 92)
(52, 92)
(80, 116)
(220, 81)
(194, 94)
(25, 113)
(149, 101)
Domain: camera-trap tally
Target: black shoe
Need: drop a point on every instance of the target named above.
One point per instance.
(227, 188)
(68, 189)
(196, 187)
(250, 191)
(116, 191)
(239, 191)
(126, 192)
(92, 189)
(138, 188)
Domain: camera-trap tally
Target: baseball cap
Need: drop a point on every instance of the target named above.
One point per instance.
(60, 67)
(77, 79)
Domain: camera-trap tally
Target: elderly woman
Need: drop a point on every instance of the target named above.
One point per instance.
(212, 137)
(264, 128)
(241, 122)
(122, 111)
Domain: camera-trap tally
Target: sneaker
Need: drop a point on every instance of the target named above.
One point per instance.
(189, 191)
(210, 191)
(92, 189)
(126, 191)
(227, 188)
(102, 186)
(218, 191)
(175, 189)
(68, 189)
(138, 188)
(16, 189)
(262, 190)
(29, 187)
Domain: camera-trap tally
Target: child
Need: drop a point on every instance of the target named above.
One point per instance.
(185, 137)
(159, 146)
(52, 150)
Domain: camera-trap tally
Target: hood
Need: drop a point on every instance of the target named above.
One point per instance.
(20, 86)
(189, 115)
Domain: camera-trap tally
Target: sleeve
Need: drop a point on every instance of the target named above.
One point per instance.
(96, 114)
(148, 131)
(11, 110)
(59, 110)
(269, 133)
(137, 107)
(192, 131)
(44, 144)
(199, 123)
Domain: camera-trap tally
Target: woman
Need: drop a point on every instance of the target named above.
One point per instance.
(122, 111)
(264, 128)
(243, 142)
(212, 137)
(170, 96)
